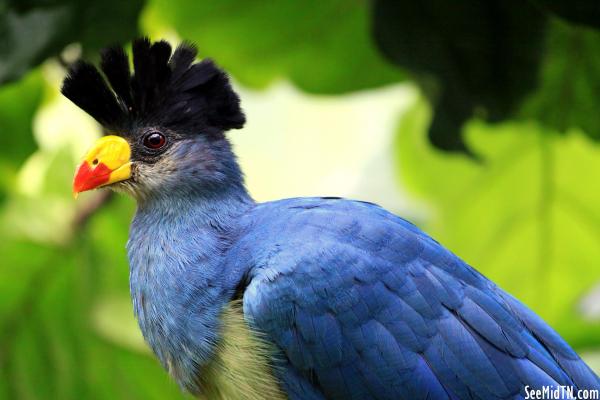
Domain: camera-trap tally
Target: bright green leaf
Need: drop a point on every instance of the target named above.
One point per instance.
(526, 216)
(23, 264)
(322, 46)
(18, 103)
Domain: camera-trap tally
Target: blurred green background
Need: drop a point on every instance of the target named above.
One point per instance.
(479, 121)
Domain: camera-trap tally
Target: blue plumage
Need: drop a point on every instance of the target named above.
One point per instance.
(341, 299)
(367, 306)
(360, 302)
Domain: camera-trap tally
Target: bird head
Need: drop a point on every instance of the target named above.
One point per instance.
(165, 121)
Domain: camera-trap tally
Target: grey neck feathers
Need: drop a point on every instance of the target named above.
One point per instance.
(180, 273)
(217, 202)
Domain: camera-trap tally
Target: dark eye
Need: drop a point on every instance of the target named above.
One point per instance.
(154, 140)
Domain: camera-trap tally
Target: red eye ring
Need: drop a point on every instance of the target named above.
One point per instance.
(154, 140)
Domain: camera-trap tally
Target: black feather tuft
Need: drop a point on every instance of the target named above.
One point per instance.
(165, 90)
(115, 65)
(184, 56)
(161, 52)
(85, 87)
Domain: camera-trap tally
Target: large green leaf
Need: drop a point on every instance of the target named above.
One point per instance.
(16, 117)
(16, 125)
(322, 46)
(579, 11)
(567, 96)
(527, 216)
(35, 30)
(484, 59)
(31, 32)
(51, 345)
(59, 278)
(469, 56)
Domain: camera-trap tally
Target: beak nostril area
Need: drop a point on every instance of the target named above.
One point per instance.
(105, 163)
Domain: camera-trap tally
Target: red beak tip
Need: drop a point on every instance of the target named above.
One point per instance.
(87, 178)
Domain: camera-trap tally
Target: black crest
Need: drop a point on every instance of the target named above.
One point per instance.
(165, 90)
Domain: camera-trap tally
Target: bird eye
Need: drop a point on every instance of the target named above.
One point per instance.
(154, 140)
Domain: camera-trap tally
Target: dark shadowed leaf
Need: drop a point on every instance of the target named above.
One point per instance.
(470, 57)
(569, 91)
(30, 34)
(578, 11)
(35, 30)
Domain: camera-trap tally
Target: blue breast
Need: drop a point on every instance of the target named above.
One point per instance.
(179, 284)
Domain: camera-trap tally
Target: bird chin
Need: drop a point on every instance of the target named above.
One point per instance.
(126, 187)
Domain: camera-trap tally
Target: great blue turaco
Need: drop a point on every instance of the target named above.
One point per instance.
(302, 298)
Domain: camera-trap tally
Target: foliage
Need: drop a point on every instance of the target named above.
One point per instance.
(50, 346)
(34, 30)
(321, 46)
(487, 59)
(567, 96)
(66, 321)
(15, 122)
(578, 11)
(467, 55)
(527, 216)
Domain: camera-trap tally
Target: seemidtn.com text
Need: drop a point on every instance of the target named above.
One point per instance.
(561, 392)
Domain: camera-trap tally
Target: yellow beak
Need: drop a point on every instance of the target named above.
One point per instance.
(108, 161)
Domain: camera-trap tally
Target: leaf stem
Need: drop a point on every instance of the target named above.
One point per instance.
(546, 225)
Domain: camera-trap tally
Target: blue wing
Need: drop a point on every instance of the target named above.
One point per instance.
(363, 305)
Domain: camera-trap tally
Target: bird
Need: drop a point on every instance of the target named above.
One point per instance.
(300, 298)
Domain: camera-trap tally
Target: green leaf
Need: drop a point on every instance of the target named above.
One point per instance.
(23, 265)
(567, 96)
(469, 56)
(527, 216)
(103, 23)
(322, 46)
(16, 117)
(578, 11)
(34, 31)
(50, 344)
(16, 125)
(30, 35)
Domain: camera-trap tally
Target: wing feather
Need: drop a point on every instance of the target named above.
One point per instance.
(364, 305)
